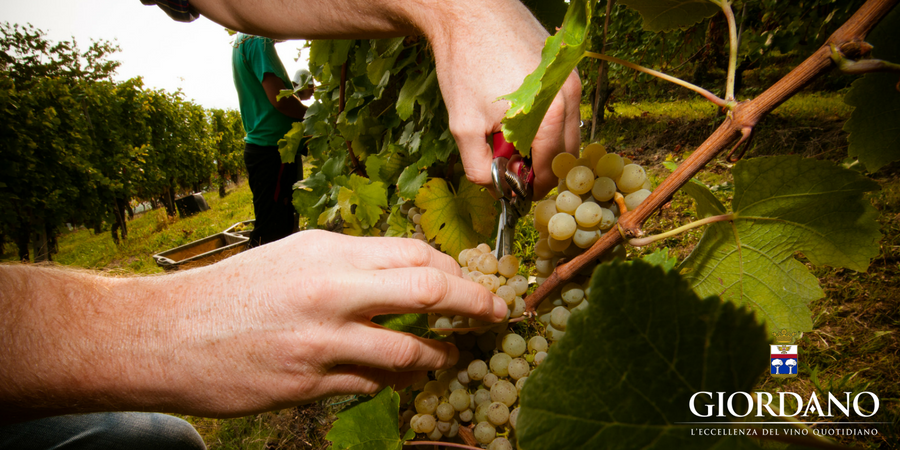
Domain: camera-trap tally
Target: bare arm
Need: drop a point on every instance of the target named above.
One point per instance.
(289, 106)
(279, 325)
(483, 49)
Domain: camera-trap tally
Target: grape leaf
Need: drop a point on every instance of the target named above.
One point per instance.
(782, 205)
(668, 15)
(418, 84)
(290, 143)
(874, 124)
(560, 56)
(410, 181)
(398, 225)
(662, 259)
(372, 424)
(362, 201)
(456, 221)
(416, 324)
(652, 344)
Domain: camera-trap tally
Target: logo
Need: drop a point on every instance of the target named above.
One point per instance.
(783, 361)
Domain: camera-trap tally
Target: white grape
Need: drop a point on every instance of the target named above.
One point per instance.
(572, 294)
(585, 238)
(518, 368)
(459, 400)
(610, 166)
(499, 364)
(542, 249)
(604, 189)
(539, 357)
(466, 415)
(504, 392)
(545, 266)
(631, 179)
(559, 317)
(519, 283)
(562, 163)
(633, 200)
(507, 293)
(508, 266)
(588, 214)
(567, 202)
(487, 264)
(513, 417)
(514, 345)
(426, 402)
(559, 246)
(543, 211)
(579, 180)
(518, 308)
(537, 344)
(489, 380)
(498, 413)
(594, 152)
(423, 423)
(608, 220)
(481, 396)
(445, 412)
(484, 431)
(500, 443)
(562, 226)
(477, 370)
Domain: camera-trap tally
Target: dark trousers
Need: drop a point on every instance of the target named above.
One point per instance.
(271, 183)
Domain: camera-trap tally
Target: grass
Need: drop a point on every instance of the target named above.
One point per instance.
(855, 345)
(150, 233)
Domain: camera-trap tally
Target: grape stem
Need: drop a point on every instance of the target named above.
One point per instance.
(744, 114)
(733, 48)
(640, 242)
(706, 94)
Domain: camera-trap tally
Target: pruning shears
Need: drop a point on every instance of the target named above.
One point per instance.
(513, 181)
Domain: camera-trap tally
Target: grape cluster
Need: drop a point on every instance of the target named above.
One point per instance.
(590, 190)
(481, 392)
(414, 215)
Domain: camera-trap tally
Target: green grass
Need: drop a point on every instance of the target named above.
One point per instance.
(150, 233)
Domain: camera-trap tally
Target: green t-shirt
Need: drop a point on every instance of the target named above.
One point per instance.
(251, 59)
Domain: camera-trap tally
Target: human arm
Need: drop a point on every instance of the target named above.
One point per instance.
(483, 49)
(280, 325)
(289, 106)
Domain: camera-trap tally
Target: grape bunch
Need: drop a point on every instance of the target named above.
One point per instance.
(480, 394)
(589, 197)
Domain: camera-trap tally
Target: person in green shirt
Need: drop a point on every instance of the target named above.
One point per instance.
(258, 77)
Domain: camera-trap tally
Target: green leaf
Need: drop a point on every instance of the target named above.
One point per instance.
(410, 182)
(416, 324)
(374, 164)
(398, 224)
(668, 15)
(334, 166)
(874, 124)
(291, 142)
(653, 345)
(782, 205)
(560, 56)
(416, 85)
(662, 259)
(373, 424)
(362, 201)
(456, 221)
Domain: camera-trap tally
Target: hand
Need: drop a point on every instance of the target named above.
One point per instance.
(483, 49)
(487, 54)
(289, 322)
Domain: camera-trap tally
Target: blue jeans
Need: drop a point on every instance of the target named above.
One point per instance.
(121, 430)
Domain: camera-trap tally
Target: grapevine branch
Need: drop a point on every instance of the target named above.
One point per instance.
(745, 115)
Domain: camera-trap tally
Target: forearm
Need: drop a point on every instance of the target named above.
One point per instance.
(75, 342)
(292, 107)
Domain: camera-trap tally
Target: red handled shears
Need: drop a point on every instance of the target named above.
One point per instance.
(513, 181)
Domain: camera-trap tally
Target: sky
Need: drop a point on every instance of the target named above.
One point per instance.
(195, 57)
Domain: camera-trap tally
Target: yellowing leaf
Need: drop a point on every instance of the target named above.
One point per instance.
(456, 221)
